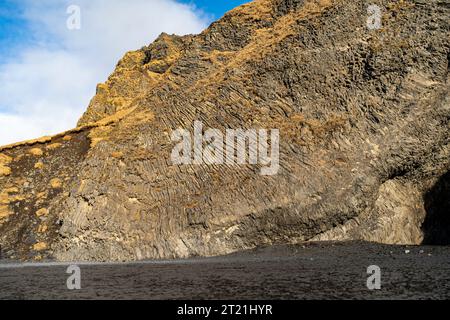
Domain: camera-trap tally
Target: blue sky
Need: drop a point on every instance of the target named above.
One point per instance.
(215, 7)
(48, 74)
(15, 33)
(12, 26)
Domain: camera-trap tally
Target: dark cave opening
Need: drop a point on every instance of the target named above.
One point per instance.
(436, 226)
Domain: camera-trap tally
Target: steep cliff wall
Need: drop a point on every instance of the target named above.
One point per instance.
(363, 117)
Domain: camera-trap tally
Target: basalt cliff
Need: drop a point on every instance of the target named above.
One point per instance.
(363, 115)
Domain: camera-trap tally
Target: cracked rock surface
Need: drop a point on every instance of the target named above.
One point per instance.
(364, 140)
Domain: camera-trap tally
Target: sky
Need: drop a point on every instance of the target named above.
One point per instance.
(53, 56)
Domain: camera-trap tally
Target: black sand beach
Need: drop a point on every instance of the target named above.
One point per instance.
(312, 271)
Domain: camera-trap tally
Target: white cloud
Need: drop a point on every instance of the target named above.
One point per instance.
(49, 84)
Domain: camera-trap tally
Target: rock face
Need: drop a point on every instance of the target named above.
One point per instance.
(363, 117)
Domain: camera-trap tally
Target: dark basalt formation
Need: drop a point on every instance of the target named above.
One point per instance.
(364, 140)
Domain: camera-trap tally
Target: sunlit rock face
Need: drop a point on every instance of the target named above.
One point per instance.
(363, 119)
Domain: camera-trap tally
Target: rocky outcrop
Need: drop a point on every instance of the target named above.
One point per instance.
(363, 117)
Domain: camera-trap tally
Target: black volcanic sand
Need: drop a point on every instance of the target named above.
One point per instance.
(312, 271)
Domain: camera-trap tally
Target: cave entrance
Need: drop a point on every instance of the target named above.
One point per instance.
(436, 226)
